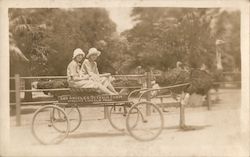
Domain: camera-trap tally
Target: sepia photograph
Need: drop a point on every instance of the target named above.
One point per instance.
(129, 79)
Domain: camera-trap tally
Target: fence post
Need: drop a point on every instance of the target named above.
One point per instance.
(148, 79)
(18, 101)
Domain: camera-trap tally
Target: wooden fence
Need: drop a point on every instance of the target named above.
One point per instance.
(18, 90)
(145, 78)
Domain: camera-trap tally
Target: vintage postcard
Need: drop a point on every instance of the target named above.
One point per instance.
(124, 78)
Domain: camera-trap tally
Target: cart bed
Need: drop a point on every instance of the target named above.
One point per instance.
(92, 99)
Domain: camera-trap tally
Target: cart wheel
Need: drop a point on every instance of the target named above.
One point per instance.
(116, 117)
(148, 126)
(73, 114)
(43, 125)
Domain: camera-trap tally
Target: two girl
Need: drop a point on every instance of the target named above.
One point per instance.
(87, 74)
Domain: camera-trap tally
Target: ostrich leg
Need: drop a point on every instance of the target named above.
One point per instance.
(183, 102)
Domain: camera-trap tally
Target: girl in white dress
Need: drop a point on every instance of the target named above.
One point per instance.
(78, 79)
(89, 66)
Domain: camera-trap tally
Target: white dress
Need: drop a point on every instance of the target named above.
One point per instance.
(73, 72)
(91, 69)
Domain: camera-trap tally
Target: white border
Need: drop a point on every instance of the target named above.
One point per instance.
(245, 121)
(4, 80)
(122, 3)
(4, 55)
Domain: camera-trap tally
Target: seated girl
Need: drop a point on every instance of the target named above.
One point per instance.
(78, 79)
(89, 66)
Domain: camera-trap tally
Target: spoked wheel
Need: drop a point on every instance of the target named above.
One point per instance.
(73, 114)
(43, 125)
(117, 117)
(148, 125)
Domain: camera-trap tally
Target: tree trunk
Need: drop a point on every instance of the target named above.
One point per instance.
(22, 68)
(28, 95)
(12, 94)
(27, 82)
(13, 70)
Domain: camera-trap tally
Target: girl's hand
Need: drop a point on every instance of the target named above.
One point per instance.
(82, 77)
(94, 78)
(85, 76)
(105, 75)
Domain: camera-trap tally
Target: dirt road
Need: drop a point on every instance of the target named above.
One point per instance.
(216, 133)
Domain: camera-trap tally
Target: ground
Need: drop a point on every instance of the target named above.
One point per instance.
(217, 132)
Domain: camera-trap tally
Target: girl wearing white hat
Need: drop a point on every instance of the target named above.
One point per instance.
(89, 66)
(73, 69)
(79, 80)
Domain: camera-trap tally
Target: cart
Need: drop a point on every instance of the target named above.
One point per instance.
(142, 120)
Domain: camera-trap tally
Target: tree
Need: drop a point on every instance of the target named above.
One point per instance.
(114, 54)
(163, 36)
(25, 45)
(47, 37)
(77, 28)
(29, 32)
(42, 40)
(226, 26)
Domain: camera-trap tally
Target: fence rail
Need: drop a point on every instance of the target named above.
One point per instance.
(64, 77)
(144, 78)
(35, 102)
(42, 77)
(18, 90)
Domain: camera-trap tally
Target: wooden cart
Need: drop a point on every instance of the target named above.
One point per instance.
(143, 120)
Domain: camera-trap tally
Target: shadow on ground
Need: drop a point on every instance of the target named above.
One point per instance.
(99, 134)
(23, 111)
(95, 134)
(187, 127)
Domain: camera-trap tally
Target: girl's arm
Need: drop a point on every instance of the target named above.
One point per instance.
(77, 78)
(92, 71)
(96, 69)
(74, 73)
(105, 75)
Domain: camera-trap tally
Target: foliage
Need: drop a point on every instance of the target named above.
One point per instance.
(27, 35)
(163, 36)
(200, 81)
(45, 38)
(228, 29)
(83, 28)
